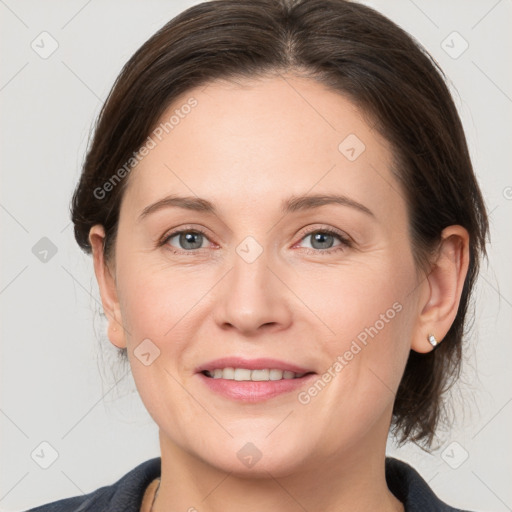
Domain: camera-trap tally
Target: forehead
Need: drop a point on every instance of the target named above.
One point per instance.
(257, 141)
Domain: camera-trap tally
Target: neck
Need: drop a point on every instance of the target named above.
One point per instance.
(349, 481)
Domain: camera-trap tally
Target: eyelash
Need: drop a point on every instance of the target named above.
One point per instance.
(345, 241)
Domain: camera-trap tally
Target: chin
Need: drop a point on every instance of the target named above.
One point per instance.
(256, 457)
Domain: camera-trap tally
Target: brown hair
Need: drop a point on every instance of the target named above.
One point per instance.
(353, 50)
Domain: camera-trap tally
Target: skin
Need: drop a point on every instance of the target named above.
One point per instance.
(246, 147)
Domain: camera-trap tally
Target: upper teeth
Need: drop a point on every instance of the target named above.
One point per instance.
(257, 375)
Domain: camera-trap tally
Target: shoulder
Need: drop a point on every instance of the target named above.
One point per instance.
(410, 488)
(125, 494)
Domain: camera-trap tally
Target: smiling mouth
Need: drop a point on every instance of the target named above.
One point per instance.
(246, 374)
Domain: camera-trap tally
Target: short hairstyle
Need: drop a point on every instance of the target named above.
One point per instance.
(353, 50)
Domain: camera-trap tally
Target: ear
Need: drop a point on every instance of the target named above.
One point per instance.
(107, 287)
(442, 288)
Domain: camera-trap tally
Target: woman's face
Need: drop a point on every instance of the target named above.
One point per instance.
(294, 255)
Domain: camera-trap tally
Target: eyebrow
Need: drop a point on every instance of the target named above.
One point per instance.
(290, 205)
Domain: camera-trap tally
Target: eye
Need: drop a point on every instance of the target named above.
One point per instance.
(323, 241)
(186, 240)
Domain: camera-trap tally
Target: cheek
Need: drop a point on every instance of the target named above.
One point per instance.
(162, 307)
(360, 300)
(158, 299)
(370, 315)
(158, 311)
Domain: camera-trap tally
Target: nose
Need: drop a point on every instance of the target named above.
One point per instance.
(254, 297)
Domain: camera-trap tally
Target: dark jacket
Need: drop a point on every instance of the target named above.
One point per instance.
(126, 494)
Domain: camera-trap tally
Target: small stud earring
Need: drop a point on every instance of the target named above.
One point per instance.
(432, 340)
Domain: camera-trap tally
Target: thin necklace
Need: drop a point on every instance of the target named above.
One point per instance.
(154, 497)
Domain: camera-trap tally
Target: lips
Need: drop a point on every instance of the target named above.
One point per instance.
(252, 380)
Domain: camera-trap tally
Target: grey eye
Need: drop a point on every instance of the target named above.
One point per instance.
(188, 240)
(321, 240)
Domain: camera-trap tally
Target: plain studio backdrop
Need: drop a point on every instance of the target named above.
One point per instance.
(70, 417)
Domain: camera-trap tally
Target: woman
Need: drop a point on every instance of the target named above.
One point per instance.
(285, 228)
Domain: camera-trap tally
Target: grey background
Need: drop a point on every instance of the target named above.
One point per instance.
(60, 383)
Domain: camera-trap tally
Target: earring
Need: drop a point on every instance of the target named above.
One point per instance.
(432, 340)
